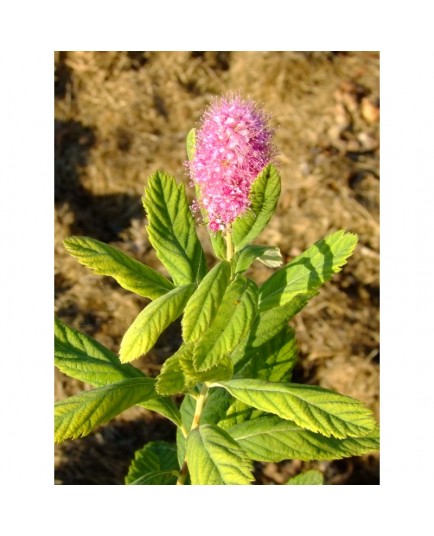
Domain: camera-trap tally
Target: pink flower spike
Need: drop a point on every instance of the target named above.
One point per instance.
(233, 144)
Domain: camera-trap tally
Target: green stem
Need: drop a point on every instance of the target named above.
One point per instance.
(182, 474)
(200, 401)
(229, 243)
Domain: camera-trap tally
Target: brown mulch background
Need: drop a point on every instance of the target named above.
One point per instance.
(119, 116)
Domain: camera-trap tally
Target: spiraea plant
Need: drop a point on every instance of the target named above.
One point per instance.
(238, 349)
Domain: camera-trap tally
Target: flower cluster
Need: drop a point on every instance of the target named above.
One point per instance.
(233, 145)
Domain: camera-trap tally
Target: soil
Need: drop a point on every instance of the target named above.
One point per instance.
(120, 116)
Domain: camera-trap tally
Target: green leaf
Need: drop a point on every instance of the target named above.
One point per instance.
(202, 307)
(275, 359)
(187, 411)
(309, 478)
(178, 374)
(165, 406)
(218, 243)
(191, 144)
(83, 358)
(216, 238)
(267, 325)
(272, 361)
(270, 323)
(171, 229)
(271, 439)
(155, 464)
(103, 259)
(157, 478)
(152, 321)
(232, 322)
(214, 458)
(311, 407)
(172, 379)
(78, 415)
(216, 404)
(307, 272)
(264, 196)
(215, 407)
(223, 370)
(236, 413)
(270, 256)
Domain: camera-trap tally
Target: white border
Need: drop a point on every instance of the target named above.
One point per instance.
(32, 33)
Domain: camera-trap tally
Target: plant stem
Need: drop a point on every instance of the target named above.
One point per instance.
(200, 401)
(182, 474)
(229, 243)
(199, 407)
